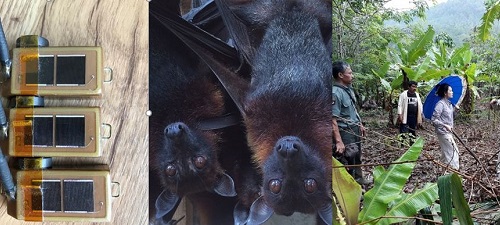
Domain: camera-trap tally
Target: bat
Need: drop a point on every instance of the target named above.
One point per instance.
(285, 105)
(286, 109)
(197, 141)
(191, 117)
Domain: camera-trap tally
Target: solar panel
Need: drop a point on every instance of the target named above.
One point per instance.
(70, 131)
(40, 133)
(48, 197)
(70, 70)
(40, 71)
(78, 195)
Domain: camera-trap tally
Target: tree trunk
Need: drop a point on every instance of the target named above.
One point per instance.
(406, 80)
(467, 104)
(391, 113)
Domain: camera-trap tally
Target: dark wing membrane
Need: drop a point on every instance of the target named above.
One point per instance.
(222, 59)
(237, 30)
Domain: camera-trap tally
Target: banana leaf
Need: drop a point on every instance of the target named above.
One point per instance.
(451, 191)
(487, 21)
(409, 204)
(458, 55)
(385, 84)
(388, 185)
(445, 199)
(396, 83)
(419, 47)
(457, 196)
(382, 73)
(338, 218)
(424, 66)
(435, 74)
(347, 191)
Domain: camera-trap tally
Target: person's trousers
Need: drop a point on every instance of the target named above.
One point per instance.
(449, 150)
(410, 126)
(351, 136)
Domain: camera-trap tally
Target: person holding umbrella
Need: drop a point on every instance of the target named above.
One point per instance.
(442, 119)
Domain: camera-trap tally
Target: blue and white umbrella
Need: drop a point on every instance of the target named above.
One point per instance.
(459, 87)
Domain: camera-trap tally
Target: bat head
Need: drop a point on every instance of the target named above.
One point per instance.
(293, 181)
(188, 162)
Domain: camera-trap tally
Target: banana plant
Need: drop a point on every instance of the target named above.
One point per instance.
(457, 61)
(407, 56)
(404, 56)
(445, 59)
(425, 71)
(386, 203)
(388, 87)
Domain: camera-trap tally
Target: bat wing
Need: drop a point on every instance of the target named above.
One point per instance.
(165, 203)
(260, 212)
(237, 30)
(222, 59)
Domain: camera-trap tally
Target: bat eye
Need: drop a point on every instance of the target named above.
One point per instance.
(200, 162)
(170, 171)
(275, 186)
(310, 185)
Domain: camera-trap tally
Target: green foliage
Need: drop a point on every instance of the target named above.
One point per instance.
(386, 197)
(420, 46)
(461, 56)
(451, 191)
(491, 14)
(386, 203)
(382, 74)
(408, 55)
(457, 18)
(410, 204)
(445, 39)
(432, 74)
(347, 191)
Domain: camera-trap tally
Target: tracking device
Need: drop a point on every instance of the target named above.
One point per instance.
(71, 194)
(33, 133)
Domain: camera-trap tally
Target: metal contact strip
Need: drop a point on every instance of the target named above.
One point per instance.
(39, 115)
(71, 55)
(69, 85)
(70, 116)
(86, 212)
(40, 181)
(79, 181)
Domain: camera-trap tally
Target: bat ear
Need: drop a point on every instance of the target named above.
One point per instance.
(326, 214)
(224, 61)
(225, 186)
(165, 203)
(260, 212)
(240, 214)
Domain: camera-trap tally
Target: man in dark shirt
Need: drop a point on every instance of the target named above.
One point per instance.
(410, 109)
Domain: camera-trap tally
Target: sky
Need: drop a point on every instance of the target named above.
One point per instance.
(406, 4)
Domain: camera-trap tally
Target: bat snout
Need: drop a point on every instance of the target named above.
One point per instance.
(175, 130)
(288, 146)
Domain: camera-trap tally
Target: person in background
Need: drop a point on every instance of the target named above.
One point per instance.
(442, 119)
(347, 126)
(495, 104)
(410, 110)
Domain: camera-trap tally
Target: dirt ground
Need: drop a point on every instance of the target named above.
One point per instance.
(481, 134)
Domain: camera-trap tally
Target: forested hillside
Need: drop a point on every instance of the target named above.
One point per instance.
(457, 18)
